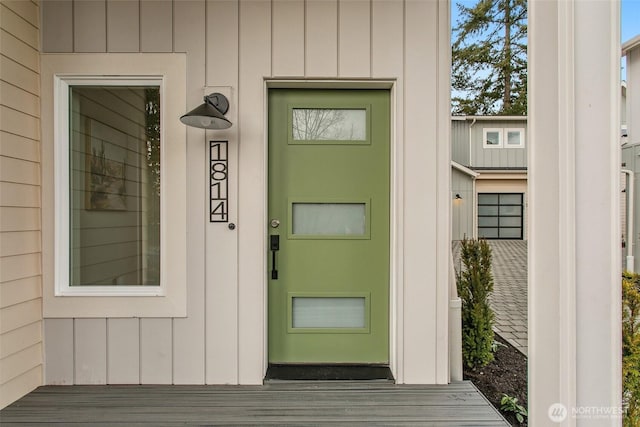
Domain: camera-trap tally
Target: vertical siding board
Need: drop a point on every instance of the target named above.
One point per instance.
(123, 25)
(189, 332)
(288, 38)
(387, 38)
(222, 43)
(123, 351)
(58, 351)
(90, 338)
(57, 26)
(255, 55)
(420, 179)
(89, 26)
(222, 245)
(354, 38)
(321, 50)
(155, 351)
(156, 26)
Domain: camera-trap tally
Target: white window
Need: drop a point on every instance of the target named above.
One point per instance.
(514, 138)
(119, 156)
(492, 138)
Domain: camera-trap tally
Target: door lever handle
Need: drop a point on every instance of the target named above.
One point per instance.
(275, 247)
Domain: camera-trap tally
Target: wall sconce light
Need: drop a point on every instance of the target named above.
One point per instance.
(210, 114)
(458, 196)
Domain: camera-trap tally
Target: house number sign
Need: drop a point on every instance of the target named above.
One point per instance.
(218, 182)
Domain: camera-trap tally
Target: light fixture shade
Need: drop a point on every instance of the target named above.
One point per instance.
(206, 116)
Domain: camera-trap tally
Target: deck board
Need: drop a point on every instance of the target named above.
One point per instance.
(368, 403)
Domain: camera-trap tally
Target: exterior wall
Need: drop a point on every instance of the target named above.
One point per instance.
(632, 98)
(496, 157)
(631, 157)
(232, 47)
(460, 141)
(506, 184)
(462, 210)
(631, 151)
(20, 232)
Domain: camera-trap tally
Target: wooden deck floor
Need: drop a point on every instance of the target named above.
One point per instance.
(276, 403)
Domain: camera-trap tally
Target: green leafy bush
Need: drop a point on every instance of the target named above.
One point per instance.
(631, 349)
(475, 285)
(510, 404)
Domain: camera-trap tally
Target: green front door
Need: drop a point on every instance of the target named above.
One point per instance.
(329, 226)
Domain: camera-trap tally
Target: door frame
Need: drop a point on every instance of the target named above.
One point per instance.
(396, 226)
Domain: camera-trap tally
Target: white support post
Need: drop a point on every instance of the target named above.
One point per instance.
(574, 258)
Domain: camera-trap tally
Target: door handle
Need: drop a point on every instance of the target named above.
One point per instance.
(275, 247)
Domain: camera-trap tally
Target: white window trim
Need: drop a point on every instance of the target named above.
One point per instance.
(484, 137)
(57, 73)
(62, 177)
(506, 137)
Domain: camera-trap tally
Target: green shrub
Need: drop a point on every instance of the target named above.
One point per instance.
(475, 285)
(631, 349)
(510, 404)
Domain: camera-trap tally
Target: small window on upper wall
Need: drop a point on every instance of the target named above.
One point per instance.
(492, 138)
(515, 138)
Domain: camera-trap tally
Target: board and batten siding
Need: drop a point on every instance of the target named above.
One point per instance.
(231, 47)
(460, 145)
(20, 231)
(463, 209)
(496, 157)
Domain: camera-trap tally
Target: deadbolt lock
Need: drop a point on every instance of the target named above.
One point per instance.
(275, 223)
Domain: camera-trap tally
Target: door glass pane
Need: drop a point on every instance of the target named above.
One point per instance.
(488, 221)
(316, 312)
(510, 233)
(331, 219)
(487, 210)
(329, 124)
(510, 199)
(488, 199)
(510, 210)
(510, 221)
(488, 233)
(114, 175)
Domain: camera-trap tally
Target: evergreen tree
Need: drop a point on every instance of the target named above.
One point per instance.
(490, 58)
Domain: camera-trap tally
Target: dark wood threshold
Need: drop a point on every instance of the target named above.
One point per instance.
(342, 372)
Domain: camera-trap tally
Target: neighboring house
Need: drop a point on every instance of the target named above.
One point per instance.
(630, 113)
(489, 177)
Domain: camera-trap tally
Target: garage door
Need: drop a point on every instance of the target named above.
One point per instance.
(500, 215)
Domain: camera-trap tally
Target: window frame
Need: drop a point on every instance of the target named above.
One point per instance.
(59, 72)
(522, 137)
(485, 131)
(62, 96)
